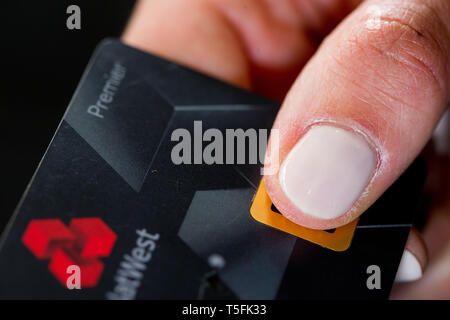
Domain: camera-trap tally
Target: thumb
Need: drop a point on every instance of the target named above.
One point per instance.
(360, 111)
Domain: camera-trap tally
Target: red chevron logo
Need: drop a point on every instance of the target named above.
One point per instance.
(82, 244)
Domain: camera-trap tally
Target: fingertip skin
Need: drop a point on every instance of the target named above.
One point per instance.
(381, 74)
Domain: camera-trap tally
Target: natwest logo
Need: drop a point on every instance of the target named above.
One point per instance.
(80, 244)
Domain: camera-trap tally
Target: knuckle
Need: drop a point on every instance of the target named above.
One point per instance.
(411, 40)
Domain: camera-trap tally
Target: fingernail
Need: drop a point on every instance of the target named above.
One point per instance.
(327, 171)
(409, 268)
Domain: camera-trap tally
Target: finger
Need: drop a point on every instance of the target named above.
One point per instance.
(360, 111)
(436, 232)
(414, 259)
(255, 44)
(280, 36)
(188, 32)
(432, 285)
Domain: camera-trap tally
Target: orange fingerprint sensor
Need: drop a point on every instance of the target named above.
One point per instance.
(264, 211)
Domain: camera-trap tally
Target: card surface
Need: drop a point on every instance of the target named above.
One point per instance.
(109, 199)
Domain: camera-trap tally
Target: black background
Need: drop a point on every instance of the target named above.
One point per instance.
(42, 62)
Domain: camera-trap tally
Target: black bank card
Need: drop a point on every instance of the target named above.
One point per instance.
(109, 198)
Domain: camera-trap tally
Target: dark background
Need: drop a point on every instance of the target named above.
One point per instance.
(42, 62)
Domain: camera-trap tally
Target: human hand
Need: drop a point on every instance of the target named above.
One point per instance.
(356, 110)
